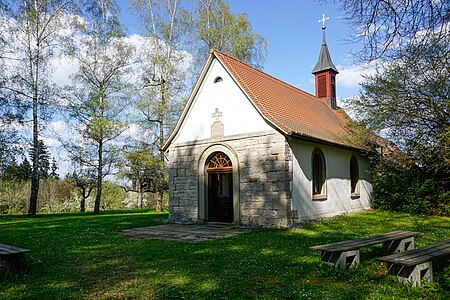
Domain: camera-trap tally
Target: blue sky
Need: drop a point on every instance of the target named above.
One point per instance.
(291, 27)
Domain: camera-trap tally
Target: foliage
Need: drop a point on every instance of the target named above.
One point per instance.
(15, 172)
(113, 196)
(406, 189)
(57, 196)
(167, 25)
(33, 29)
(99, 94)
(216, 26)
(409, 101)
(387, 27)
(79, 255)
(145, 172)
(43, 157)
(84, 182)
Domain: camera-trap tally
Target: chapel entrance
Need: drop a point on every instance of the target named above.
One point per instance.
(220, 188)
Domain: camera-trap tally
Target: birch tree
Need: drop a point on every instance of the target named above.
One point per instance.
(33, 28)
(216, 26)
(100, 90)
(166, 25)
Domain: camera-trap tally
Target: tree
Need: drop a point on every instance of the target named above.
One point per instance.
(144, 170)
(33, 27)
(167, 25)
(43, 157)
(99, 96)
(217, 27)
(84, 181)
(409, 99)
(53, 169)
(387, 27)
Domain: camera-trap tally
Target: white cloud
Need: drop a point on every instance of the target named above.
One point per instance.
(51, 142)
(63, 67)
(352, 76)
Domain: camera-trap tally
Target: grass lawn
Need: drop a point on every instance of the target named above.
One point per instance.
(82, 256)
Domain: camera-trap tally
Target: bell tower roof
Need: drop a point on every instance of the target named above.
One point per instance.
(324, 63)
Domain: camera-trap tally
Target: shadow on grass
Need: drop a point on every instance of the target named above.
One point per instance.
(85, 257)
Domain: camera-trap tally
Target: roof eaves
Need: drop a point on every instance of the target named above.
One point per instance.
(188, 103)
(301, 136)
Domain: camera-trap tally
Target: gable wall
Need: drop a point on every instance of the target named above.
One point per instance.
(239, 116)
(338, 194)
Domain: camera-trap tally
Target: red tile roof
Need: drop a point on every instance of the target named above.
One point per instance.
(290, 109)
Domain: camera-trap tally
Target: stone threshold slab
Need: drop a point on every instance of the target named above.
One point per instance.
(183, 233)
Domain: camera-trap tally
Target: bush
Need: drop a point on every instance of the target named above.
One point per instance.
(408, 190)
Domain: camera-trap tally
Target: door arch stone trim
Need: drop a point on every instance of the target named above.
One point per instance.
(203, 181)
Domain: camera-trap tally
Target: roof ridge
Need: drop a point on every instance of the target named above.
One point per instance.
(251, 91)
(278, 81)
(266, 74)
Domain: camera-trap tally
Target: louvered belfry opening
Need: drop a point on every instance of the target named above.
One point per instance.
(322, 86)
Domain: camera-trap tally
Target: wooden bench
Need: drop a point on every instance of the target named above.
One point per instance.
(12, 257)
(417, 265)
(346, 253)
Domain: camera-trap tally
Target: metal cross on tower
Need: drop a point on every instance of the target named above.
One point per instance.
(323, 20)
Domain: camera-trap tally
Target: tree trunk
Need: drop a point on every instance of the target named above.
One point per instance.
(159, 201)
(161, 142)
(35, 173)
(98, 197)
(83, 200)
(139, 191)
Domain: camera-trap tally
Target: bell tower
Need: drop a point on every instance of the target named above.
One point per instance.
(325, 72)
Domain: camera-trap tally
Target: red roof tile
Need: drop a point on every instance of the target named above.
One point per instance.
(290, 109)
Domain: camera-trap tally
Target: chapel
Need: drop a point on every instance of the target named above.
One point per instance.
(250, 149)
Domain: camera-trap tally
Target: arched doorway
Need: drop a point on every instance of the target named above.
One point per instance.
(219, 170)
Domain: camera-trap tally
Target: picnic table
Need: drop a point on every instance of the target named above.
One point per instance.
(416, 265)
(346, 253)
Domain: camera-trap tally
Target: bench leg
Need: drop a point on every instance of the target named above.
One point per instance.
(413, 275)
(340, 259)
(398, 245)
(13, 261)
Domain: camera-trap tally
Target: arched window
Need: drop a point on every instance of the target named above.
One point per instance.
(218, 79)
(354, 176)
(318, 173)
(219, 161)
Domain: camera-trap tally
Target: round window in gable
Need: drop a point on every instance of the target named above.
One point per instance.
(218, 79)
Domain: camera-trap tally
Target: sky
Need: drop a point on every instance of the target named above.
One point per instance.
(294, 35)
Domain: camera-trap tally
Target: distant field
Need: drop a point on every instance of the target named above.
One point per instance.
(82, 256)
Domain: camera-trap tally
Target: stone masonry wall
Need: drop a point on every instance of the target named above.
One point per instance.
(265, 175)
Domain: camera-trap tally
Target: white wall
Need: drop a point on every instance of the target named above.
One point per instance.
(239, 116)
(338, 195)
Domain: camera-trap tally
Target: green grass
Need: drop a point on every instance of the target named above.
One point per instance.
(83, 256)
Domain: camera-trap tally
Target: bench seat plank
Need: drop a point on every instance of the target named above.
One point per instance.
(346, 253)
(7, 249)
(418, 256)
(12, 257)
(368, 241)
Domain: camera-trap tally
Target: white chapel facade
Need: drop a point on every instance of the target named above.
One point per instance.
(249, 149)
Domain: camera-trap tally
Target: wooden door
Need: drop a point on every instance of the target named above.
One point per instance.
(220, 196)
